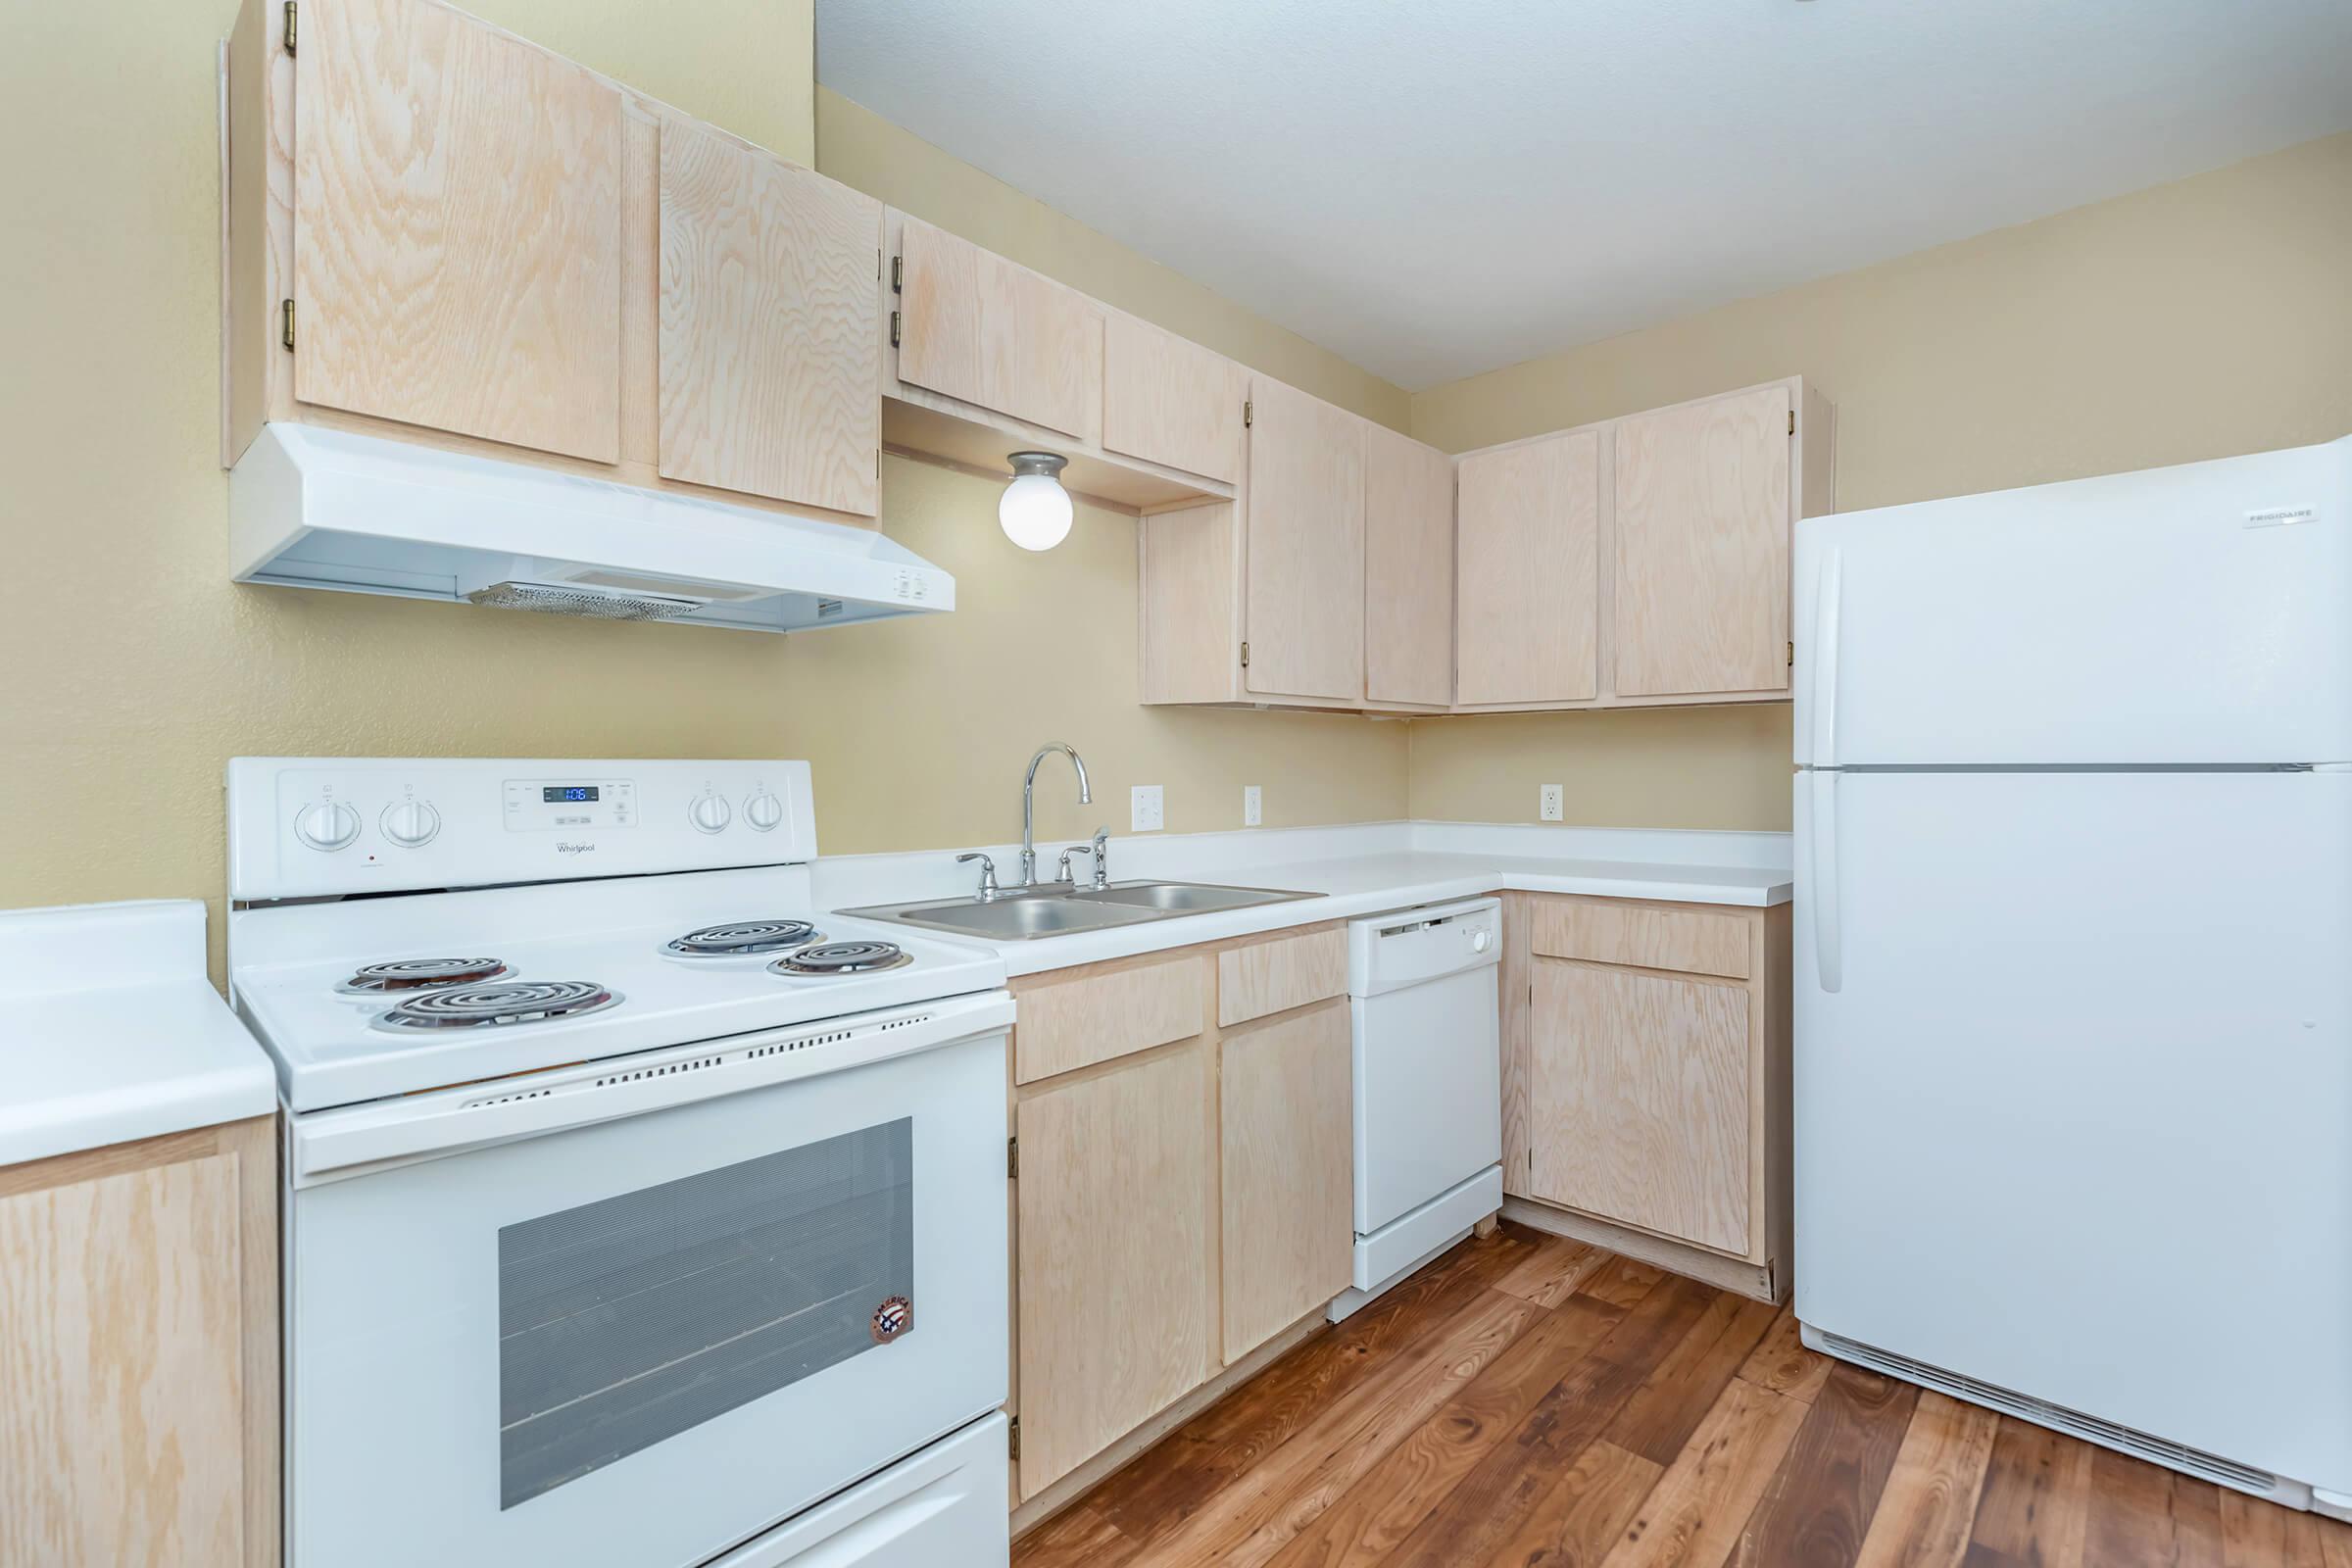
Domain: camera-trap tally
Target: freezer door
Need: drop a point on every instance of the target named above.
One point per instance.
(2074, 1092)
(2179, 615)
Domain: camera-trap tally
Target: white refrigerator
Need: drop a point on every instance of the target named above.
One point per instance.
(2074, 959)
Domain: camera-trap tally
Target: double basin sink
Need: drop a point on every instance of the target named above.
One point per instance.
(1056, 909)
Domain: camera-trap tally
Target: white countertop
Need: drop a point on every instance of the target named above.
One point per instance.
(110, 1031)
(1368, 870)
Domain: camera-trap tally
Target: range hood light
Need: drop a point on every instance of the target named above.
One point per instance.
(1035, 510)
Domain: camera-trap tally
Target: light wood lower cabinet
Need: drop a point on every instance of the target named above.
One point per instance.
(1645, 1079)
(139, 1354)
(1178, 1203)
(1116, 1179)
(1286, 1126)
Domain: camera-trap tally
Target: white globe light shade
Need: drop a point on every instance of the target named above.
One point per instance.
(1034, 510)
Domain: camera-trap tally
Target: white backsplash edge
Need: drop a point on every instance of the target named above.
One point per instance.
(844, 881)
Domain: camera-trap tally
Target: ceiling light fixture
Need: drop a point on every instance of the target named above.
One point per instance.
(1035, 510)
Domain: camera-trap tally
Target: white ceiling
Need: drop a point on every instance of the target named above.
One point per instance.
(1432, 188)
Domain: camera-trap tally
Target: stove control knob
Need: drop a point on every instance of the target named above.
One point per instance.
(411, 825)
(327, 825)
(763, 811)
(710, 813)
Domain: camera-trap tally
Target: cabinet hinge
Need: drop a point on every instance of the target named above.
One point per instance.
(894, 329)
(285, 329)
(1012, 1438)
(1248, 414)
(897, 275)
(1012, 1159)
(1792, 655)
(1792, 421)
(1245, 656)
(289, 27)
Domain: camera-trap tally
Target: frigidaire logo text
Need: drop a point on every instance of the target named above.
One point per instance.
(562, 848)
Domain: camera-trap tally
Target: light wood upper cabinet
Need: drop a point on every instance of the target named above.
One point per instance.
(1703, 507)
(1169, 401)
(1304, 517)
(1639, 1085)
(1408, 571)
(139, 1334)
(1287, 1172)
(979, 328)
(1527, 616)
(1113, 1215)
(770, 347)
(456, 259)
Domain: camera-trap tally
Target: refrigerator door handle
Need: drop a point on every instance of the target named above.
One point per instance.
(1829, 958)
(1825, 619)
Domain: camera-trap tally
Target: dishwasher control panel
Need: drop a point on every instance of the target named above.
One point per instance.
(1407, 946)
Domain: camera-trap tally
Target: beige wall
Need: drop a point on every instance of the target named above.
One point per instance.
(859, 147)
(131, 669)
(2195, 319)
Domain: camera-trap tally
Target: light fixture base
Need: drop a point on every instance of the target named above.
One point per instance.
(1045, 464)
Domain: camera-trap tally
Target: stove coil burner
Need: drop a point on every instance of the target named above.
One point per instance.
(742, 940)
(420, 974)
(485, 1007)
(844, 957)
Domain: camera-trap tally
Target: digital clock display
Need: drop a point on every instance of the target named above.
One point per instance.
(569, 792)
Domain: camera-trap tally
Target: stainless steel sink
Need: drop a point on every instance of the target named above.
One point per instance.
(1058, 910)
(1183, 898)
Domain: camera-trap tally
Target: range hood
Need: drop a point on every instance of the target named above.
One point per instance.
(312, 507)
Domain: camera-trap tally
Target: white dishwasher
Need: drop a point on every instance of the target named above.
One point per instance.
(1422, 988)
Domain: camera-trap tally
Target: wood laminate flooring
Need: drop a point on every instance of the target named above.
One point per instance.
(1530, 1401)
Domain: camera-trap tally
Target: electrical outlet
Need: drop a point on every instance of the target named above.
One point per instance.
(1143, 813)
(1250, 806)
(1550, 804)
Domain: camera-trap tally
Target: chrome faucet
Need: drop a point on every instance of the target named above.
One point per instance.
(1097, 853)
(1029, 803)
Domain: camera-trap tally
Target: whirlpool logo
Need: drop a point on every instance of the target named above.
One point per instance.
(562, 848)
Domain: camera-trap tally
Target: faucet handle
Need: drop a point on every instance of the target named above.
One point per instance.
(987, 872)
(1101, 854)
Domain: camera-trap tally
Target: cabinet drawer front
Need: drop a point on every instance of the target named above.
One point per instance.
(1641, 1102)
(1692, 941)
(1068, 1024)
(1286, 972)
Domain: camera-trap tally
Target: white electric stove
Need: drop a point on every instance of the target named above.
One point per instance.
(638, 1213)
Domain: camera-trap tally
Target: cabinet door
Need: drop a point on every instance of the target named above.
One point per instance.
(1527, 618)
(976, 327)
(1408, 570)
(1288, 1173)
(1113, 1287)
(1639, 1100)
(770, 338)
(1169, 401)
(1305, 579)
(1701, 600)
(456, 228)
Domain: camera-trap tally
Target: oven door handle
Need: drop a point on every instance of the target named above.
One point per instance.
(329, 1144)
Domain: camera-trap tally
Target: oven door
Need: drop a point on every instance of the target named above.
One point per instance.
(637, 1340)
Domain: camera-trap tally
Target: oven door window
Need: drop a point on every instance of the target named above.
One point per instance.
(628, 1321)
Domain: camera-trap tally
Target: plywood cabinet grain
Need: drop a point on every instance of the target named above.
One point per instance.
(139, 1354)
(1303, 522)
(457, 216)
(1527, 622)
(771, 356)
(1290, 969)
(1640, 1084)
(1286, 1172)
(1103, 1011)
(1703, 507)
(986, 331)
(1114, 1223)
(1170, 401)
(1409, 573)
(1647, 1081)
